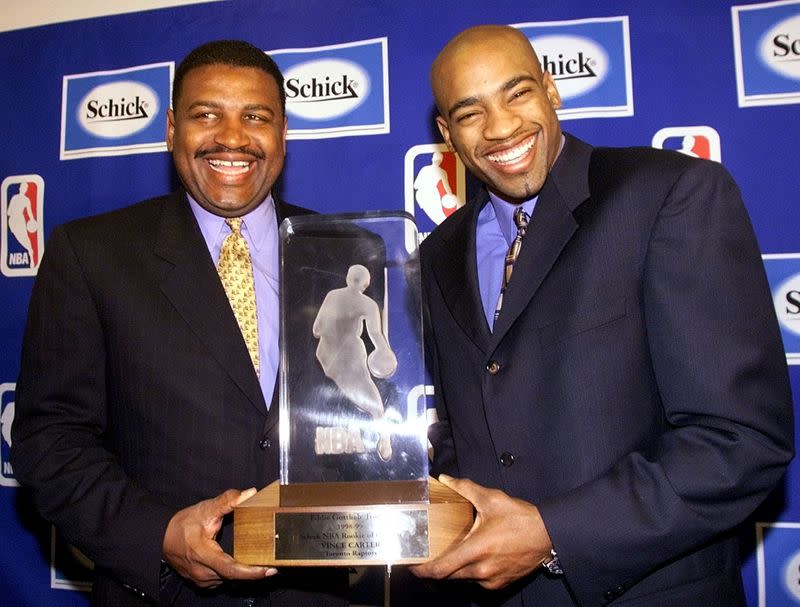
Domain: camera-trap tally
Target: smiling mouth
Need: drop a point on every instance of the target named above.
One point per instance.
(229, 167)
(513, 154)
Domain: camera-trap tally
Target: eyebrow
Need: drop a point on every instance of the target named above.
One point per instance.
(216, 105)
(259, 106)
(203, 103)
(506, 86)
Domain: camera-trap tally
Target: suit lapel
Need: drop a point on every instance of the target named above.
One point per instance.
(551, 228)
(194, 288)
(456, 271)
(282, 210)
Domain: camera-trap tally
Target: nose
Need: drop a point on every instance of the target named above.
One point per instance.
(231, 133)
(501, 123)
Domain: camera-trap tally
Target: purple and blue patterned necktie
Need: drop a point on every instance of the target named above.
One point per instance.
(521, 219)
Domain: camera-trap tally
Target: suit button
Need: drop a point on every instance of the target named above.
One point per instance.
(507, 459)
(493, 367)
(264, 444)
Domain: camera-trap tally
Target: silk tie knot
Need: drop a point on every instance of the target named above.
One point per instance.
(235, 224)
(521, 219)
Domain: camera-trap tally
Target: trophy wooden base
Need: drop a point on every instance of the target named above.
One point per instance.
(266, 533)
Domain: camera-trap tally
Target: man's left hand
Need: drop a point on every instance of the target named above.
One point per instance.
(507, 541)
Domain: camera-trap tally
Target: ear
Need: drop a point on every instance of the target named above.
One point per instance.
(170, 128)
(444, 129)
(552, 92)
(285, 129)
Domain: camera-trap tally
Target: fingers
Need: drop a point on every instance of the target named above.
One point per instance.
(445, 566)
(245, 495)
(464, 487)
(225, 502)
(209, 566)
(202, 576)
(190, 545)
(225, 567)
(486, 501)
(507, 541)
(452, 561)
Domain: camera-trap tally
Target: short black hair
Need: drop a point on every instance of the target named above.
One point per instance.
(228, 52)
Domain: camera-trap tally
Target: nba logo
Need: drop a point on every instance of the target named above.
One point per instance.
(6, 419)
(696, 141)
(434, 185)
(23, 232)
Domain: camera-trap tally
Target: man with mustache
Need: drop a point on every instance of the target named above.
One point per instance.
(143, 414)
(605, 354)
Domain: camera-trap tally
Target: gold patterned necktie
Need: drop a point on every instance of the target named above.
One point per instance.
(236, 273)
(521, 219)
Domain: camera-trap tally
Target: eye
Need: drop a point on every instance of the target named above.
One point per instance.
(204, 115)
(520, 93)
(467, 117)
(258, 118)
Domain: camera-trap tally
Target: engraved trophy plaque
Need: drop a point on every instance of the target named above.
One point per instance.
(354, 486)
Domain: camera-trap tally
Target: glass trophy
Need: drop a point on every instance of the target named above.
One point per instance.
(354, 486)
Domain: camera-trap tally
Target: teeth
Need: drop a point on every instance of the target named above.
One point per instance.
(229, 163)
(240, 166)
(509, 156)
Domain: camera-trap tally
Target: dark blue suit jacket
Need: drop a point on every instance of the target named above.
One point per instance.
(137, 397)
(642, 399)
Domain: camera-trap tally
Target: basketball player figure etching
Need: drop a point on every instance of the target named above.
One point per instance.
(343, 355)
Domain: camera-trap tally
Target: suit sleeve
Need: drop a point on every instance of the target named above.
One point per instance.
(60, 447)
(720, 370)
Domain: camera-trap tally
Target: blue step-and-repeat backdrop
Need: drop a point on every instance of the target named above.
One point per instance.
(710, 78)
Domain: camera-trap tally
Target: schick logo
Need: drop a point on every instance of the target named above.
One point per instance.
(115, 112)
(783, 273)
(118, 109)
(340, 90)
(589, 60)
(576, 67)
(787, 303)
(780, 48)
(121, 109)
(785, 46)
(321, 90)
(577, 64)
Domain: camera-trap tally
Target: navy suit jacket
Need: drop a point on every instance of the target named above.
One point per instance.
(639, 393)
(136, 396)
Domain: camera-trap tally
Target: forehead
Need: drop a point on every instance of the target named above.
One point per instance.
(217, 82)
(476, 66)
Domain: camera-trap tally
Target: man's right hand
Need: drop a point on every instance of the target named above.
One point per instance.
(191, 549)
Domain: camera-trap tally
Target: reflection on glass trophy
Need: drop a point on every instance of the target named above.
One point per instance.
(343, 355)
(354, 486)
